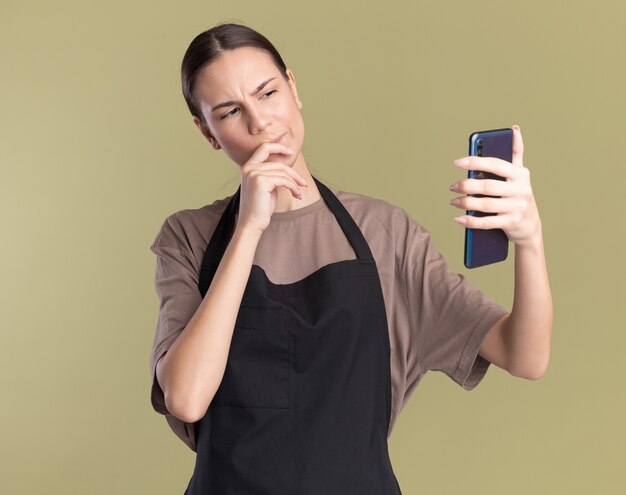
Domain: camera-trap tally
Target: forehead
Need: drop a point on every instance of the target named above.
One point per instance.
(233, 73)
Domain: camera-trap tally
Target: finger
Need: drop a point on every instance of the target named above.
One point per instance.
(488, 222)
(288, 182)
(280, 167)
(489, 205)
(518, 146)
(269, 182)
(263, 152)
(488, 187)
(487, 164)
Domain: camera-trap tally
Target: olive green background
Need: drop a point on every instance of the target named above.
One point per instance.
(97, 147)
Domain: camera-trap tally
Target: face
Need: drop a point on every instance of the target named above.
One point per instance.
(251, 115)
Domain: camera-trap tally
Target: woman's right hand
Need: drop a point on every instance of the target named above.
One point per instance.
(259, 183)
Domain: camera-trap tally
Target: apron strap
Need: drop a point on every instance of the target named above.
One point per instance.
(226, 226)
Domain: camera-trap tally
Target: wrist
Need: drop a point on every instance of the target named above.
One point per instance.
(532, 243)
(248, 234)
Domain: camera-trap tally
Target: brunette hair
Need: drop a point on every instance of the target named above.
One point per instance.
(209, 45)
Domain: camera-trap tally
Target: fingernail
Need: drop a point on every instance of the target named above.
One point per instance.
(463, 162)
(454, 187)
(461, 220)
(455, 202)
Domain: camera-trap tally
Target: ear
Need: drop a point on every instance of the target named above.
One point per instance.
(292, 86)
(206, 133)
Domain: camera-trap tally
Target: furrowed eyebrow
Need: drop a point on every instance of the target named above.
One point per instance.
(229, 103)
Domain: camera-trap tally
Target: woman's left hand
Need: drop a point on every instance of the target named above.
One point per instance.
(517, 213)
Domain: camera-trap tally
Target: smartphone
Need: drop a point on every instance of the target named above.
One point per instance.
(487, 246)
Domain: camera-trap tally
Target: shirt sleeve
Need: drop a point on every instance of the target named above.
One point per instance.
(450, 318)
(176, 285)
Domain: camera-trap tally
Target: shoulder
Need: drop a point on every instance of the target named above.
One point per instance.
(374, 212)
(392, 233)
(190, 227)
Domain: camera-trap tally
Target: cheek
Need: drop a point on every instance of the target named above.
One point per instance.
(234, 148)
(300, 127)
(295, 118)
(231, 139)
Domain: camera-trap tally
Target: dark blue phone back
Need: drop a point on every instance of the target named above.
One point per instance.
(483, 247)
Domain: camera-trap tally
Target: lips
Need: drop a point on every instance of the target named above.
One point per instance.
(278, 138)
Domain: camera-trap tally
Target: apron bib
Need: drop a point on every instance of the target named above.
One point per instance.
(305, 401)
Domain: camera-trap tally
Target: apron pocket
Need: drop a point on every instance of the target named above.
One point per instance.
(257, 369)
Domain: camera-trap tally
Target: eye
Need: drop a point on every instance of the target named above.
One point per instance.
(229, 114)
(225, 116)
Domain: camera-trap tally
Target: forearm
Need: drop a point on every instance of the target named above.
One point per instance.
(193, 368)
(528, 329)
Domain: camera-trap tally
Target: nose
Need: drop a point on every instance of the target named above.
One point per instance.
(257, 121)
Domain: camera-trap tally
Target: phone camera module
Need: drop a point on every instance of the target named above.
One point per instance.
(479, 147)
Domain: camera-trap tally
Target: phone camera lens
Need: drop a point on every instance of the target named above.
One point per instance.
(479, 147)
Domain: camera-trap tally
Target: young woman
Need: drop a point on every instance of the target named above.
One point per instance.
(296, 319)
